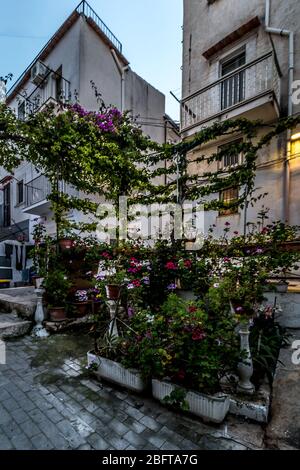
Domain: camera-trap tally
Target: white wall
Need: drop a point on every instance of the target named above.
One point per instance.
(204, 26)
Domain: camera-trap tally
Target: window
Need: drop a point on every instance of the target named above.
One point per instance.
(21, 111)
(6, 206)
(232, 159)
(59, 85)
(295, 147)
(229, 196)
(20, 192)
(233, 88)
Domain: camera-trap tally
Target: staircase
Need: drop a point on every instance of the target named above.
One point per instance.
(11, 326)
(17, 308)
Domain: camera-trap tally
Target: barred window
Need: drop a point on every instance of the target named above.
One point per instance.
(232, 159)
(229, 196)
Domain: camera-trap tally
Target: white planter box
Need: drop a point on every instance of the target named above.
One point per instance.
(116, 373)
(210, 408)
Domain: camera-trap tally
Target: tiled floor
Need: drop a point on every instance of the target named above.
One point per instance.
(48, 400)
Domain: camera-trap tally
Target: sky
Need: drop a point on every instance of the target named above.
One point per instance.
(150, 31)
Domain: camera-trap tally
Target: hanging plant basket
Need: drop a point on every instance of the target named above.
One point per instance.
(65, 244)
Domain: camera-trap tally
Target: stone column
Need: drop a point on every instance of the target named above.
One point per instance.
(39, 331)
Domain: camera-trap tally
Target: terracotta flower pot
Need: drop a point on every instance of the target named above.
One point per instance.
(81, 309)
(65, 244)
(112, 291)
(57, 313)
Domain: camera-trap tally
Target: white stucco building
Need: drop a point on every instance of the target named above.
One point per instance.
(240, 59)
(82, 50)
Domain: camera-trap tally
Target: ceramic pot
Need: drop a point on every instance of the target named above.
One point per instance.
(57, 313)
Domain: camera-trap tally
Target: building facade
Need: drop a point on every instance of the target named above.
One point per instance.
(83, 51)
(241, 59)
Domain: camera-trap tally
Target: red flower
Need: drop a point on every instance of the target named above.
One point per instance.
(171, 265)
(188, 263)
(106, 255)
(136, 283)
(192, 309)
(181, 374)
(198, 334)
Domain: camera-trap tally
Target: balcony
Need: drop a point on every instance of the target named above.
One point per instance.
(37, 192)
(249, 87)
(53, 89)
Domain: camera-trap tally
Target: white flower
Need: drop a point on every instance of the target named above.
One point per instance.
(150, 318)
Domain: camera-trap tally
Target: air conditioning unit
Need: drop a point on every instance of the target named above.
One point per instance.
(38, 73)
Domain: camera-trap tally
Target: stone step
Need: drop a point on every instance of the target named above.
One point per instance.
(11, 326)
(21, 300)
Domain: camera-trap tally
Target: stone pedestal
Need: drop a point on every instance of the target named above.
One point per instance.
(39, 331)
(113, 310)
(245, 366)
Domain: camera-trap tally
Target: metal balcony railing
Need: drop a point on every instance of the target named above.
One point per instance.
(38, 190)
(53, 88)
(246, 83)
(85, 9)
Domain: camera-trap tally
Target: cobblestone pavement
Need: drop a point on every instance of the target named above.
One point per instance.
(49, 401)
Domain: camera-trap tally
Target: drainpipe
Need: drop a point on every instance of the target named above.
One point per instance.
(122, 71)
(290, 35)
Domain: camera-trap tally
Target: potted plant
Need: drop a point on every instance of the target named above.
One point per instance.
(66, 239)
(40, 253)
(111, 276)
(95, 299)
(82, 302)
(57, 286)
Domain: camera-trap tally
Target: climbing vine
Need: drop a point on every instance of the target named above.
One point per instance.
(105, 154)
